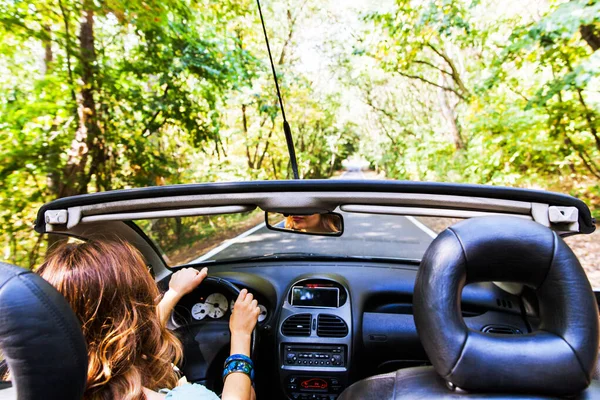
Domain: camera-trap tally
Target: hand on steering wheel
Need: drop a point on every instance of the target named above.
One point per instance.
(182, 282)
(244, 317)
(186, 280)
(205, 340)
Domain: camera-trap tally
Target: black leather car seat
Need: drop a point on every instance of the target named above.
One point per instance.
(40, 338)
(556, 360)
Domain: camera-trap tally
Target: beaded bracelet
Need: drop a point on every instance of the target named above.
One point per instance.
(238, 357)
(239, 366)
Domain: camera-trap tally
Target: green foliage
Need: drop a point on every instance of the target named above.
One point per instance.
(147, 93)
(522, 93)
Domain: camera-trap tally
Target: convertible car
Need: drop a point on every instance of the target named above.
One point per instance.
(406, 290)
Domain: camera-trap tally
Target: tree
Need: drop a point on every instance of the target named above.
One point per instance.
(126, 89)
(424, 43)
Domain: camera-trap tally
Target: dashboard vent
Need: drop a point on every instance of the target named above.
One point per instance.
(504, 303)
(331, 326)
(297, 325)
(501, 330)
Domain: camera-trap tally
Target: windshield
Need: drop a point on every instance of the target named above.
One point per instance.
(243, 236)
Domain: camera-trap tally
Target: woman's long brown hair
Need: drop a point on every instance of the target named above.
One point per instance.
(115, 298)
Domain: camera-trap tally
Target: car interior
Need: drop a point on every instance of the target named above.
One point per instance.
(497, 307)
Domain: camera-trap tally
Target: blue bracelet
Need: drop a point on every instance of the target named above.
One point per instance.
(239, 366)
(238, 357)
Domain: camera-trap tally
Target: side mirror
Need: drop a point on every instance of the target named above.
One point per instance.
(327, 224)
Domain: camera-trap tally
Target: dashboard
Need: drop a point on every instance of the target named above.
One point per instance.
(326, 325)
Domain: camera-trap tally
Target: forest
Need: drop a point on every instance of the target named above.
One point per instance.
(100, 95)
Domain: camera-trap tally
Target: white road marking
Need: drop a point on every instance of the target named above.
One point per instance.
(421, 226)
(227, 243)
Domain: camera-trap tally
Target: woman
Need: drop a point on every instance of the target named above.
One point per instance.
(315, 223)
(130, 351)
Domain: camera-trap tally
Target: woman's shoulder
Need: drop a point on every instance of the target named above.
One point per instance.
(191, 391)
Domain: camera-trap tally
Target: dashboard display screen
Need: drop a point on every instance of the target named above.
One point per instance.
(315, 297)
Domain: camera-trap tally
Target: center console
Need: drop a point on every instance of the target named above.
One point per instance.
(314, 340)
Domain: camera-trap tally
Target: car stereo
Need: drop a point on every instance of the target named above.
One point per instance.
(309, 355)
(314, 387)
(311, 296)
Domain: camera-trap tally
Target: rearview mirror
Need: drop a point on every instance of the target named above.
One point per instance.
(327, 224)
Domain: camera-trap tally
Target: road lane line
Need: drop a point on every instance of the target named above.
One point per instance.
(227, 243)
(421, 226)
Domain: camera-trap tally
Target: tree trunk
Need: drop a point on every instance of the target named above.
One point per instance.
(75, 179)
(449, 116)
(274, 166)
(591, 35)
(245, 128)
(48, 56)
(266, 148)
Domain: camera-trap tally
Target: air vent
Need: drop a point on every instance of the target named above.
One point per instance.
(331, 326)
(501, 330)
(504, 303)
(297, 325)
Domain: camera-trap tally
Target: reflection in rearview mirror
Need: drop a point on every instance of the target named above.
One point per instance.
(328, 224)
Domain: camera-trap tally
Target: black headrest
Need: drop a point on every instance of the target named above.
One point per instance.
(557, 359)
(40, 337)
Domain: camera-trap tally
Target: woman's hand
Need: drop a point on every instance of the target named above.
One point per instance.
(244, 315)
(243, 320)
(182, 282)
(185, 280)
(241, 324)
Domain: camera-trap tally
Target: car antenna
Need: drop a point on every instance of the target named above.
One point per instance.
(286, 126)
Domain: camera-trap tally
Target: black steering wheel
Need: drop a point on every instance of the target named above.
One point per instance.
(206, 342)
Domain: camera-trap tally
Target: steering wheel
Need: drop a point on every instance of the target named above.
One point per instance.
(204, 343)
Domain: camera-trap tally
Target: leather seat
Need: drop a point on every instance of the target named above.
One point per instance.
(423, 383)
(556, 360)
(40, 338)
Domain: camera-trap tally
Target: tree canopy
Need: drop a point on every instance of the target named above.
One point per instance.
(101, 95)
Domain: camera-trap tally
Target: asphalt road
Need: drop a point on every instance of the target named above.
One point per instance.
(367, 235)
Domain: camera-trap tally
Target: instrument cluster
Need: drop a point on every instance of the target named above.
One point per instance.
(201, 305)
(216, 306)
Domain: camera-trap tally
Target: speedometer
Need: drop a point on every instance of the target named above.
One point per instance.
(263, 313)
(217, 305)
(200, 311)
